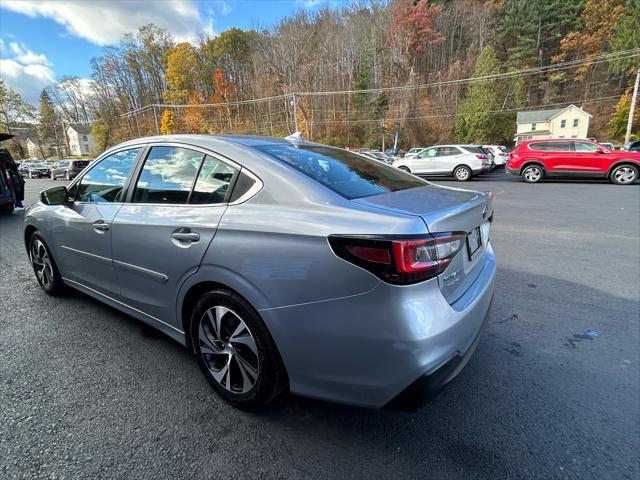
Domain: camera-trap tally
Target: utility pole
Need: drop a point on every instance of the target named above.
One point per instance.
(155, 119)
(295, 112)
(632, 108)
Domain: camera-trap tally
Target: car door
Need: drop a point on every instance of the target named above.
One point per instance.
(558, 157)
(448, 159)
(590, 157)
(161, 234)
(425, 162)
(82, 229)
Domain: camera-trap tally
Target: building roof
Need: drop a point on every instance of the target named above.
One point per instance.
(542, 115)
(81, 128)
(537, 115)
(534, 132)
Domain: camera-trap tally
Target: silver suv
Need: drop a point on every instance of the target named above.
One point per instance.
(282, 265)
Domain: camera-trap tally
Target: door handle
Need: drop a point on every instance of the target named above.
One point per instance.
(100, 226)
(185, 235)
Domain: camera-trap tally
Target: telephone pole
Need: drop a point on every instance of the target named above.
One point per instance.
(295, 112)
(632, 108)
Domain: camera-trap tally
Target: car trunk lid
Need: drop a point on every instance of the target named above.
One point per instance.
(446, 209)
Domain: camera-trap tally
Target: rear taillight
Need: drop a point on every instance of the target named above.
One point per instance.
(480, 156)
(400, 260)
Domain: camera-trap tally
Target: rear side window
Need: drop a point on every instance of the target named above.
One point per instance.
(347, 174)
(168, 175)
(475, 150)
(106, 179)
(539, 146)
(213, 182)
(81, 163)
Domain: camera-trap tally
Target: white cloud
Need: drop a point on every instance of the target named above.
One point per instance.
(25, 56)
(28, 80)
(105, 22)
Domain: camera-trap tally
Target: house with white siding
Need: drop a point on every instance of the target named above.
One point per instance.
(568, 122)
(79, 139)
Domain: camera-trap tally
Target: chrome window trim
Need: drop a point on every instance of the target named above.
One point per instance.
(257, 186)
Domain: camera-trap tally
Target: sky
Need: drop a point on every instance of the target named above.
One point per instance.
(41, 41)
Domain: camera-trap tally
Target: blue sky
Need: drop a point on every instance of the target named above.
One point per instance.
(41, 41)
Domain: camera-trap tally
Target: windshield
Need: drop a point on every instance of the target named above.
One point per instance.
(347, 174)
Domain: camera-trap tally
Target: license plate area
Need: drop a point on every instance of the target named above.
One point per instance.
(474, 243)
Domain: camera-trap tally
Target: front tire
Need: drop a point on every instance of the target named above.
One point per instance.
(532, 174)
(462, 173)
(624, 175)
(404, 169)
(235, 350)
(44, 266)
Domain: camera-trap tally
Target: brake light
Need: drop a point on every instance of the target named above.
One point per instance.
(481, 157)
(400, 260)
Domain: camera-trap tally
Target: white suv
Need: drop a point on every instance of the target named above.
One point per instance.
(461, 161)
(500, 154)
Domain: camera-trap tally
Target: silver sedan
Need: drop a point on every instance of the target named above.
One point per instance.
(283, 265)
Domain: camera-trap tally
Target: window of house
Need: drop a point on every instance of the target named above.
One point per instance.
(575, 122)
(84, 138)
(563, 123)
(533, 127)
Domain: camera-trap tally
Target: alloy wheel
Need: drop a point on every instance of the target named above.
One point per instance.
(42, 264)
(625, 175)
(229, 350)
(462, 174)
(532, 174)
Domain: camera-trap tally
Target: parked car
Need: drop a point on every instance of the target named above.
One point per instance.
(33, 169)
(461, 161)
(412, 152)
(607, 145)
(500, 154)
(393, 152)
(377, 155)
(68, 169)
(633, 146)
(282, 265)
(535, 159)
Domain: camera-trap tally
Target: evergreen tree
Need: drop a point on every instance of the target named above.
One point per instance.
(627, 36)
(48, 123)
(479, 119)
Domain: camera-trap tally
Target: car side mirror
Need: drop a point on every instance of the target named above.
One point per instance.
(55, 196)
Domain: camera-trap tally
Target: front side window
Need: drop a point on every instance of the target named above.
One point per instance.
(168, 175)
(585, 147)
(351, 176)
(106, 179)
(429, 152)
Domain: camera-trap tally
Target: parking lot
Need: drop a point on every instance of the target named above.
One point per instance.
(552, 391)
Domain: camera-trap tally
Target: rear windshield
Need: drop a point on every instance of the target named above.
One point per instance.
(348, 174)
(81, 163)
(475, 149)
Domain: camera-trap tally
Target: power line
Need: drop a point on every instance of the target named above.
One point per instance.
(530, 71)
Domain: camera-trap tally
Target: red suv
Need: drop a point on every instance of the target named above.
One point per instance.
(536, 159)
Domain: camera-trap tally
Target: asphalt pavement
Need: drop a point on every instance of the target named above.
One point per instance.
(553, 390)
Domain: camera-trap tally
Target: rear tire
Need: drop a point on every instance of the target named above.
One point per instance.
(624, 175)
(235, 351)
(532, 174)
(44, 266)
(6, 209)
(462, 173)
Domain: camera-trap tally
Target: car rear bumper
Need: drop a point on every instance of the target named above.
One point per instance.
(369, 349)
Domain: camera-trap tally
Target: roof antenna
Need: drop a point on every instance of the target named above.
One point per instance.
(295, 137)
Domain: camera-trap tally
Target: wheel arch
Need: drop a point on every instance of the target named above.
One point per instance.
(620, 163)
(528, 163)
(29, 230)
